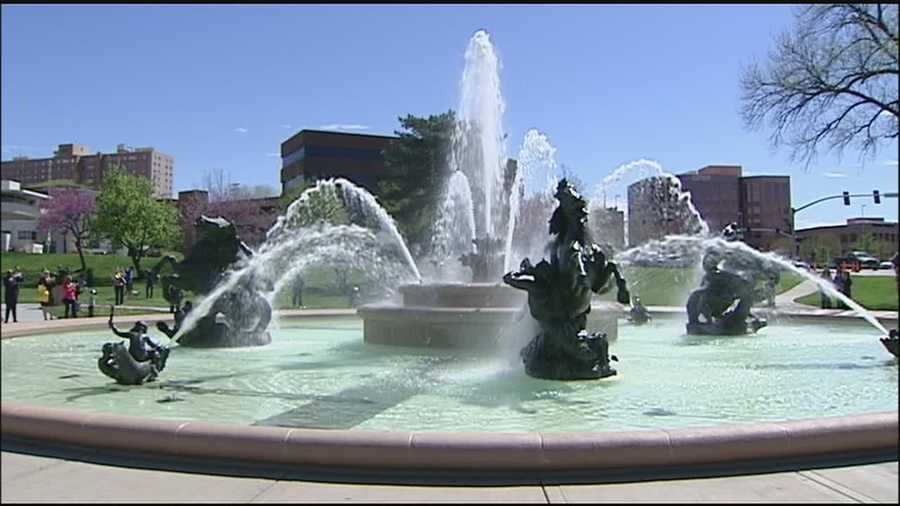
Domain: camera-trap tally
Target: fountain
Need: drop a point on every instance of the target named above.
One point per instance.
(475, 228)
(681, 400)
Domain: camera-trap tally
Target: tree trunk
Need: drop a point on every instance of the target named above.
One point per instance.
(80, 253)
(136, 255)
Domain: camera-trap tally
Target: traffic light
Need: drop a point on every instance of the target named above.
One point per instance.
(846, 198)
(876, 196)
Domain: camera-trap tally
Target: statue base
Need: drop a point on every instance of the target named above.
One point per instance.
(587, 357)
(222, 336)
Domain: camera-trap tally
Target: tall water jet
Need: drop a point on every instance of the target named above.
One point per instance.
(531, 196)
(454, 228)
(478, 142)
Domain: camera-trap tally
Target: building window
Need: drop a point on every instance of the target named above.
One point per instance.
(27, 235)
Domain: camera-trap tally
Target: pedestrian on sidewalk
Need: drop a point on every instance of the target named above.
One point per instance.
(92, 302)
(152, 276)
(119, 286)
(70, 295)
(826, 299)
(11, 283)
(839, 285)
(129, 281)
(297, 292)
(848, 284)
(43, 292)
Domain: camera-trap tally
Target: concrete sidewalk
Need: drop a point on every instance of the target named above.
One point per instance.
(40, 475)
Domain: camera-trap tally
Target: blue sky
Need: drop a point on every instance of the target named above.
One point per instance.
(220, 87)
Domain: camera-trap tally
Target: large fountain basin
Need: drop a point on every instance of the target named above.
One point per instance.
(318, 375)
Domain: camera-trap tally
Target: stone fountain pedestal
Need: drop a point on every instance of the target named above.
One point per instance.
(459, 315)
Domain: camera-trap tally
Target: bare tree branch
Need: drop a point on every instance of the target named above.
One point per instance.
(830, 82)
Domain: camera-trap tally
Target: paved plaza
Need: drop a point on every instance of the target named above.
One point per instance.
(32, 474)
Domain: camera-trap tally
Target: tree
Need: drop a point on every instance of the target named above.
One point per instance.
(70, 211)
(247, 207)
(415, 166)
(128, 215)
(831, 81)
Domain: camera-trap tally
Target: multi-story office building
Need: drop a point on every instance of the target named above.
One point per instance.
(765, 211)
(715, 193)
(75, 163)
(316, 154)
(760, 205)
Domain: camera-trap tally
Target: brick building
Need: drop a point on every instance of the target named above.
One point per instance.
(761, 205)
(75, 163)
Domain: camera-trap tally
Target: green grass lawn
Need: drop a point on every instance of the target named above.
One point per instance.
(103, 265)
(657, 286)
(787, 281)
(871, 292)
(664, 286)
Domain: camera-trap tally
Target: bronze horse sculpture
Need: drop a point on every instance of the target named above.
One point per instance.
(559, 297)
(246, 312)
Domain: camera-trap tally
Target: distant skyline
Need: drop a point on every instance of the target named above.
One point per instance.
(221, 86)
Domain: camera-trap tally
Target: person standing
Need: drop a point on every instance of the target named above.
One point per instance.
(92, 302)
(70, 289)
(11, 283)
(129, 281)
(826, 299)
(297, 292)
(151, 282)
(839, 285)
(848, 284)
(119, 286)
(43, 293)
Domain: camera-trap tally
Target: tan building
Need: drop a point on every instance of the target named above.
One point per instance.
(75, 163)
(820, 244)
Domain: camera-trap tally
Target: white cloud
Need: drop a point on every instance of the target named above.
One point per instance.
(344, 126)
(890, 162)
(241, 130)
(835, 175)
(273, 154)
(286, 126)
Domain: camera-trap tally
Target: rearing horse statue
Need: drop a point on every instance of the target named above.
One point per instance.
(559, 296)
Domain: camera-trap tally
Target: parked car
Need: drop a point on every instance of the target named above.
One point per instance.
(802, 265)
(886, 265)
(866, 261)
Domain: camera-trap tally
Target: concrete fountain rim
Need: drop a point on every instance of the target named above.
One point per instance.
(453, 452)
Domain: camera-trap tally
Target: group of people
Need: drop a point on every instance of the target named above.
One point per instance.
(48, 295)
(842, 282)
